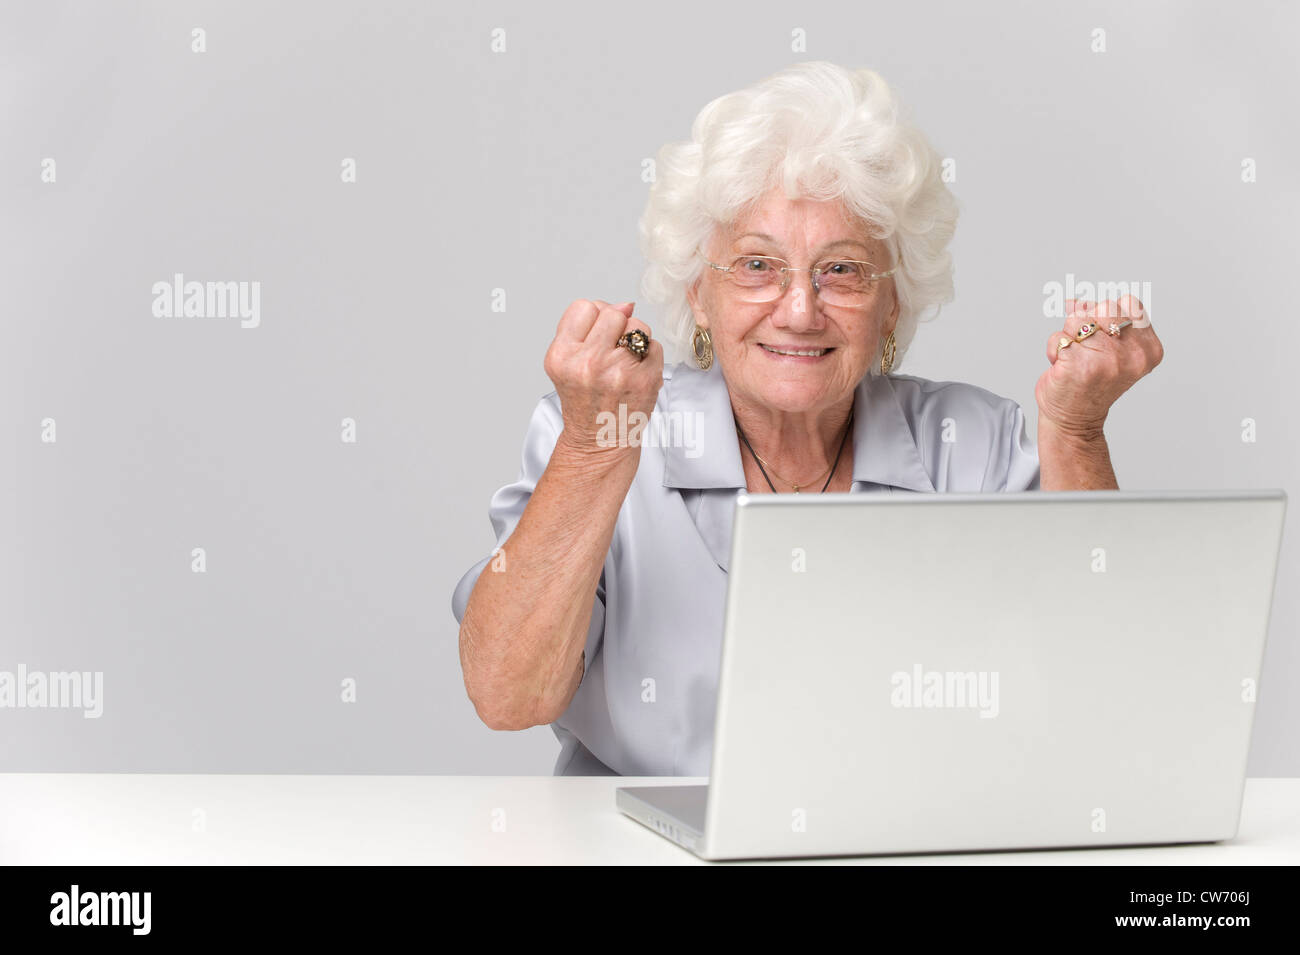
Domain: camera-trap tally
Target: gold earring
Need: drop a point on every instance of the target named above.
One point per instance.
(887, 357)
(702, 344)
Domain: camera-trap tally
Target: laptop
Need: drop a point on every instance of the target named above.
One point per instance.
(968, 672)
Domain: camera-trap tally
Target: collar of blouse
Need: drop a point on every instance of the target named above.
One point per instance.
(884, 449)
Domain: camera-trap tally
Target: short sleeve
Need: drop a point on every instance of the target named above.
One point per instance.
(1020, 455)
(507, 506)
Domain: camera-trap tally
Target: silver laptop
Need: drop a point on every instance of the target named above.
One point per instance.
(959, 672)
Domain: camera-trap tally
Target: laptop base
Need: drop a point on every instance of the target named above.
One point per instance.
(675, 812)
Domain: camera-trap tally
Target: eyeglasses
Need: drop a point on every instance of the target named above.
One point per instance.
(848, 283)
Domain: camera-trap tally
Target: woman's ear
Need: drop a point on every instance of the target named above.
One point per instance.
(693, 297)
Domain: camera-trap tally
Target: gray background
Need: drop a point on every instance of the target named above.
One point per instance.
(522, 170)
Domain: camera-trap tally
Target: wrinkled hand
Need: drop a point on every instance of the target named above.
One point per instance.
(593, 376)
(1085, 378)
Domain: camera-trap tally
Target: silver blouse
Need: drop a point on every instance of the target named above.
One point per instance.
(646, 701)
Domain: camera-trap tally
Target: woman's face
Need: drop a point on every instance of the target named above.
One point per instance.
(748, 337)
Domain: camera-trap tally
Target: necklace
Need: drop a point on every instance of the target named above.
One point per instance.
(797, 487)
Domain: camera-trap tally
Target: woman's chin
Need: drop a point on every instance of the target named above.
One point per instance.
(795, 397)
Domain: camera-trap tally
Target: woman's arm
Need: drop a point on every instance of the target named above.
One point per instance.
(525, 626)
(524, 629)
(1073, 462)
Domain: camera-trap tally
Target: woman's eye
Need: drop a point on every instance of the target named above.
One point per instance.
(756, 265)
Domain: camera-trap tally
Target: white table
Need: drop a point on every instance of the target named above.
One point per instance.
(103, 819)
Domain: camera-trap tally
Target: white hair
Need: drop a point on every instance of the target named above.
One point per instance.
(820, 132)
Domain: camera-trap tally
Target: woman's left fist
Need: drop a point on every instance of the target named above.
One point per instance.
(1085, 378)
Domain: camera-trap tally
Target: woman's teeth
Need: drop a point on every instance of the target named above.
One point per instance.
(801, 352)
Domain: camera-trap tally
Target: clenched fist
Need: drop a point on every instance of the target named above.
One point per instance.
(592, 375)
(1085, 378)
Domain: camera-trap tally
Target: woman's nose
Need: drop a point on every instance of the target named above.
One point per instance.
(798, 308)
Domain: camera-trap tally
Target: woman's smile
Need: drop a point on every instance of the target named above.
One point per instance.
(795, 353)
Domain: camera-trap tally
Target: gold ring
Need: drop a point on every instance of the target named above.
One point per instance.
(635, 341)
(1086, 330)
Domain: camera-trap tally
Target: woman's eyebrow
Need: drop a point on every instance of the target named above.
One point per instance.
(839, 242)
(829, 245)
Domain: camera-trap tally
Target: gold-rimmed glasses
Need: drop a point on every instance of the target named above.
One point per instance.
(847, 283)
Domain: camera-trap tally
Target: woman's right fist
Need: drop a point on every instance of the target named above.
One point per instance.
(592, 375)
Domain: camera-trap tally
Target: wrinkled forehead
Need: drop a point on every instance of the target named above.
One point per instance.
(801, 227)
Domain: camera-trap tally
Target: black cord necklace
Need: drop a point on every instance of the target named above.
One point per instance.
(759, 461)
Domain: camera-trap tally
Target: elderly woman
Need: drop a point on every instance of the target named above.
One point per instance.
(794, 241)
